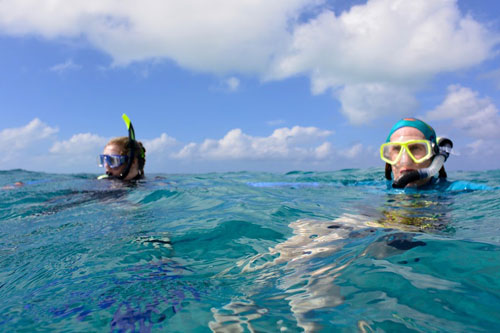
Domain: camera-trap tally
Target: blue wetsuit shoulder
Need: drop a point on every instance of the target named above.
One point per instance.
(442, 184)
(460, 185)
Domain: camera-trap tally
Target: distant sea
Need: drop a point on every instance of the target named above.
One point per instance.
(247, 252)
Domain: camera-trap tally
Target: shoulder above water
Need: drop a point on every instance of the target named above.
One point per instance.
(443, 185)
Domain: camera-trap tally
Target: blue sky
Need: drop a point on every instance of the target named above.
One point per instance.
(245, 85)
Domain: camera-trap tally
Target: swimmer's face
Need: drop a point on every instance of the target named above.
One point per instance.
(406, 164)
(113, 150)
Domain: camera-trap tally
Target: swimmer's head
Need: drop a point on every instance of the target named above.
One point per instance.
(123, 157)
(115, 157)
(410, 146)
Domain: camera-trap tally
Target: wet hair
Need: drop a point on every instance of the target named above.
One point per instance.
(122, 143)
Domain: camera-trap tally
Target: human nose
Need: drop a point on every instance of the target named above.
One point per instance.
(405, 158)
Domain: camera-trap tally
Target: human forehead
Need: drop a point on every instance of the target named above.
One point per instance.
(408, 133)
(112, 149)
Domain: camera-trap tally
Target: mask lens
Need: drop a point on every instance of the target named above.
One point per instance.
(418, 150)
(391, 151)
(113, 161)
(100, 161)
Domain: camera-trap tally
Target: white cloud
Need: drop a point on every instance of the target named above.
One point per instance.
(363, 103)
(284, 143)
(481, 154)
(36, 147)
(323, 151)
(218, 36)
(66, 66)
(76, 154)
(383, 43)
(478, 117)
(380, 48)
(477, 147)
(18, 146)
(159, 145)
(79, 144)
(352, 152)
(232, 84)
(14, 139)
(385, 40)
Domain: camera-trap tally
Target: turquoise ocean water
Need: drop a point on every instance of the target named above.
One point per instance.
(247, 252)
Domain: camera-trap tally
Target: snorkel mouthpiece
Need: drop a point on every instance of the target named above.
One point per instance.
(444, 148)
(407, 178)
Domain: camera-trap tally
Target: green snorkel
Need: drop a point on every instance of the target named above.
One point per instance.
(131, 146)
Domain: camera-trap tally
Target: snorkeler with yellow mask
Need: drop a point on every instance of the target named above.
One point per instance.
(414, 154)
(123, 157)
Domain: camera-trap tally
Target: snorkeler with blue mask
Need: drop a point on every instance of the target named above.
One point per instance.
(123, 157)
(414, 154)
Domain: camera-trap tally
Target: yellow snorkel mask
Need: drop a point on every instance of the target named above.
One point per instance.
(418, 150)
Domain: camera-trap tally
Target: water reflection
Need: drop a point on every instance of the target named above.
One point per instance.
(416, 212)
(306, 266)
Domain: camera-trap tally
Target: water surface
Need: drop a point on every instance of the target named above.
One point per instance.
(302, 251)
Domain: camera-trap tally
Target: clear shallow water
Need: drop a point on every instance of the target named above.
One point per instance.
(260, 252)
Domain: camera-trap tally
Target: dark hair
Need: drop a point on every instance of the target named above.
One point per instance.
(123, 143)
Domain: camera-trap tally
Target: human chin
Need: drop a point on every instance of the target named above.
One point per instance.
(115, 172)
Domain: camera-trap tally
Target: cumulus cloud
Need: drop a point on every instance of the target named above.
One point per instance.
(379, 53)
(79, 144)
(76, 154)
(363, 103)
(14, 139)
(160, 144)
(480, 154)
(477, 147)
(477, 116)
(66, 66)
(370, 48)
(323, 151)
(37, 147)
(385, 40)
(284, 143)
(352, 152)
(217, 36)
(18, 146)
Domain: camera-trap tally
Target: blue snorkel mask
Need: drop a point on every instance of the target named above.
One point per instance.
(114, 161)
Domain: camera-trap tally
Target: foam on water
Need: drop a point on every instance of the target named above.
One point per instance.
(303, 251)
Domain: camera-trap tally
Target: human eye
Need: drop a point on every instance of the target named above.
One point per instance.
(417, 149)
(395, 148)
